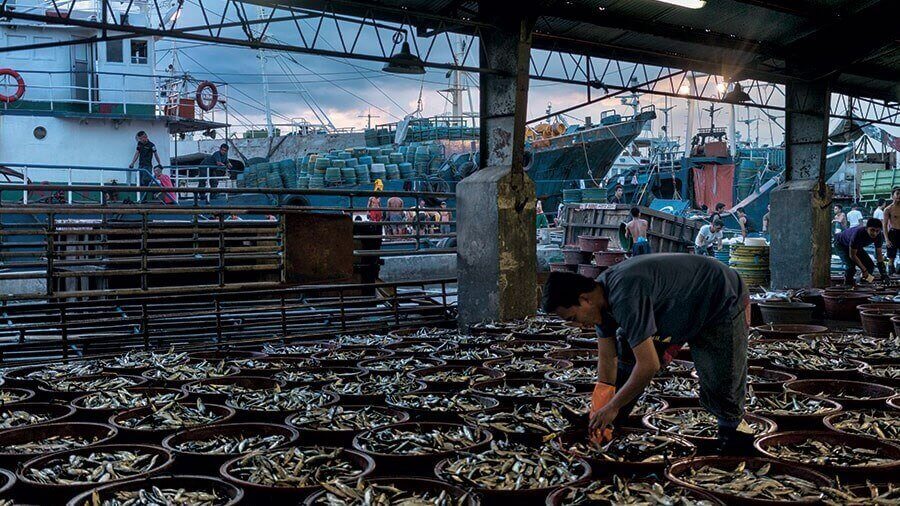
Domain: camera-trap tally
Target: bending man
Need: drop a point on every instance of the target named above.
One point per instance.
(645, 309)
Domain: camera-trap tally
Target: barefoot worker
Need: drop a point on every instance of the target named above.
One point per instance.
(655, 304)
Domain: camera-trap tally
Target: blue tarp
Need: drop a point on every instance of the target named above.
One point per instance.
(676, 207)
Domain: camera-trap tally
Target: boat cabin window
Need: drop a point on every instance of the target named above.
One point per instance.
(114, 51)
(139, 52)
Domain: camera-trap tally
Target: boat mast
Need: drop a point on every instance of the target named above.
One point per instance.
(687, 89)
(270, 130)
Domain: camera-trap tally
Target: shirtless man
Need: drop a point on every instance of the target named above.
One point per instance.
(637, 230)
(891, 226)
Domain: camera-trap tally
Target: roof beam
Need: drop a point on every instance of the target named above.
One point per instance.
(795, 8)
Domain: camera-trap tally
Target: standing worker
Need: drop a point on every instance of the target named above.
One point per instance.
(840, 219)
(209, 166)
(850, 246)
(540, 218)
(652, 305)
(743, 221)
(855, 216)
(637, 230)
(891, 226)
(878, 213)
(144, 155)
(619, 195)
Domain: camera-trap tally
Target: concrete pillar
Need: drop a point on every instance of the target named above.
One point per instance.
(496, 257)
(801, 208)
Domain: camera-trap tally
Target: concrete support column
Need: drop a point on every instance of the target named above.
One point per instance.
(800, 218)
(496, 257)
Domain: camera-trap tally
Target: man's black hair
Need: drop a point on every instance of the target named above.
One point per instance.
(141, 133)
(562, 289)
(740, 209)
(894, 189)
(619, 187)
(223, 146)
(839, 207)
(855, 205)
(719, 223)
(881, 202)
(704, 208)
(873, 222)
(635, 212)
(720, 206)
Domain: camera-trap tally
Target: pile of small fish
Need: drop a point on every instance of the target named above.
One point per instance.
(144, 359)
(862, 495)
(229, 444)
(421, 348)
(50, 373)
(535, 388)
(674, 386)
(124, 399)
(296, 467)
(378, 494)
(174, 415)
(477, 340)
(621, 491)
(7, 396)
(303, 349)
(315, 375)
(340, 418)
(634, 447)
(518, 347)
(92, 384)
(376, 384)
(810, 362)
(513, 468)
(575, 404)
(399, 364)
(525, 418)
(95, 467)
(50, 444)
(883, 424)
(211, 387)
(886, 371)
(839, 391)
(442, 403)
(419, 440)
(760, 484)
(354, 354)
(693, 422)
(364, 340)
(761, 350)
(17, 418)
(647, 404)
(274, 364)
(679, 368)
(155, 496)
(576, 375)
(811, 451)
(788, 404)
(200, 369)
(468, 354)
(871, 348)
(276, 399)
(463, 375)
(524, 365)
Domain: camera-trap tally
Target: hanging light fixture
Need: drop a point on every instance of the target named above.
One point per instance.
(404, 62)
(690, 4)
(737, 95)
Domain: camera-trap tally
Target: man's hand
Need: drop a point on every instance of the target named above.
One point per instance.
(603, 418)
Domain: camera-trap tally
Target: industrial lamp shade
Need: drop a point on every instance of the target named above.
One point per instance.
(737, 95)
(404, 62)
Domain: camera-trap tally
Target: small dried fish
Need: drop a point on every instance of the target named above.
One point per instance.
(575, 375)
(886, 371)
(462, 375)
(296, 349)
(648, 404)
(675, 386)
(421, 347)
(384, 494)
(634, 447)
(200, 369)
(123, 399)
(761, 350)
(524, 346)
(529, 388)
(869, 348)
(575, 404)
(542, 418)
(50, 444)
(155, 496)
(174, 415)
(510, 467)
(694, 422)
(810, 362)
(442, 403)
(469, 354)
(399, 364)
(141, 359)
(276, 399)
(340, 418)
(365, 340)
(52, 372)
(276, 364)
(12, 417)
(9, 395)
(883, 424)
(415, 439)
(94, 467)
(754, 484)
(296, 467)
(352, 354)
(789, 404)
(91, 383)
(621, 491)
(811, 451)
(526, 365)
(226, 388)
(375, 384)
(231, 444)
(317, 375)
(862, 495)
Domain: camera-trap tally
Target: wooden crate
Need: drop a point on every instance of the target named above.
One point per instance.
(667, 232)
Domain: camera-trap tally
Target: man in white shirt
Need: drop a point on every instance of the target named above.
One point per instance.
(854, 217)
(709, 238)
(878, 214)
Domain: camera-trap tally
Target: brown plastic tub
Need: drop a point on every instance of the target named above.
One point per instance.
(531, 348)
(102, 415)
(766, 426)
(877, 322)
(230, 355)
(574, 256)
(268, 366)
(430, 415)
(557, 497)
(577, 356)
(53, 412)
(343, 437)
(340, 357)
(19, 395)
(31, 433)
(55, 493)
(589, 270)
(602, 467)
(593, 243)
(248, 382)
(842, 305)
(456, 495)
(767, 380)
(444, 386)
(155, 436)
(395, 464)
(512, 373)
(231, 370)
(844, 392)
(563, 267)
(255, 493)
(683, 467)
(48, 390)
(7, 482)
(795, 421)
(786, 312)
(296, 377)
(233, 494)
(845, 473)
(608, 258)
(513, 399)
(209, 463)
(788, 330)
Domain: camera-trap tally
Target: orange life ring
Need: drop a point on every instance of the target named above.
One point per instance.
(20, 88)
(207, 106)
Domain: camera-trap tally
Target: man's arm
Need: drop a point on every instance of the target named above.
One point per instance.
(645, 367)
(879, 256)
(885, 225)
(607, 362)
(136, 153)
(743, 223)
(855, 258)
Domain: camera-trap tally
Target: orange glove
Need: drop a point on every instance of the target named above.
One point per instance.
(603, 393)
